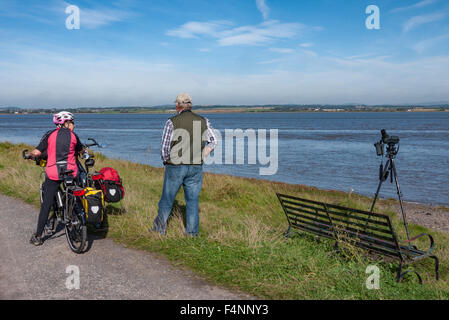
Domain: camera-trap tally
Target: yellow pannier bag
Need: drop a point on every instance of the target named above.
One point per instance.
(93, 204)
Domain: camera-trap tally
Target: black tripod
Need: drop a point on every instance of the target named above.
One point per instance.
(390, 169)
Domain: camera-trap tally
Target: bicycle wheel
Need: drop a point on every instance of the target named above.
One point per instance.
(75, 230)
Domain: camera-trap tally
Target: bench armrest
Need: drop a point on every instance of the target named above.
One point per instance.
(432, 243)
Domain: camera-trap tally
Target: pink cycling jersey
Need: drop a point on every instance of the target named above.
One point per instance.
(61, 146)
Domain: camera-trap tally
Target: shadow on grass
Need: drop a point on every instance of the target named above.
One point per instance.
(98, 233)
(177, 211)
(114, 211)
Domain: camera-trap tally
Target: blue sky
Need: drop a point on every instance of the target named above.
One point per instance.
(132, 52)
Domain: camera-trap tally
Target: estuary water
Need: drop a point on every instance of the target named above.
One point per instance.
(327, 150)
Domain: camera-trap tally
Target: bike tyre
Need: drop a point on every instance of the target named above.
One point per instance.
(76, 246)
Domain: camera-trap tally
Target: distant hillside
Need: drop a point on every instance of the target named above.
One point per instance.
(237, 108)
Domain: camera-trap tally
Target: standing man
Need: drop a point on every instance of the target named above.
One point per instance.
(187, 140)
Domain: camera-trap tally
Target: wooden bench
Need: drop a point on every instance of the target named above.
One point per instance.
(367, 230)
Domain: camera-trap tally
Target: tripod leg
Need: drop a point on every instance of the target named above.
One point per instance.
(381, 180)
(404, 217)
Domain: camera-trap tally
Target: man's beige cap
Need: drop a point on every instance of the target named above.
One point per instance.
(183, 98)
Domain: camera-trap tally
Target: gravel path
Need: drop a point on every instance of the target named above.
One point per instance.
(107, 270)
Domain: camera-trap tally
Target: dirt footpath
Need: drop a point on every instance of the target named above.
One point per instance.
(106, 271)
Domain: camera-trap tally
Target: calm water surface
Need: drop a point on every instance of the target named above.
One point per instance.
(326, 150)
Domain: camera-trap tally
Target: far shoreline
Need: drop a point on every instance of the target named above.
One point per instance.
(208, 111)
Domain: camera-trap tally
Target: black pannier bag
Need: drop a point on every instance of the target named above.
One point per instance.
(93, 204)
(110, 182)
(112, 192)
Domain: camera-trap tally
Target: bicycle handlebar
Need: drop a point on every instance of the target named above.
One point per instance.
(26, 156)
(94, 144)
(30, 157)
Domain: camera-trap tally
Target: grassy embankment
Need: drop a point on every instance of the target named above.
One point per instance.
(241, 242)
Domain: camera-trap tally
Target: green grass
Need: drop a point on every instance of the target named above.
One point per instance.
(241, 243)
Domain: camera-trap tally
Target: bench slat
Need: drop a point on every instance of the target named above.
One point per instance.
(367, 226)
(364, 226)
(367, 238)
(323, 222)
(412, 252)
(364, 232)
(315, 224)
(331, 205)
(342, 214)
(381, 250)
(329, 235)
(307, 214)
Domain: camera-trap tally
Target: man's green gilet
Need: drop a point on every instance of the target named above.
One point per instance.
(187, 145)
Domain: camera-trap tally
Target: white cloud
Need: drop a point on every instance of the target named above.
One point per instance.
(271, 61)
(18, 11)
(263, 33)
(193, 29)
(358, 56)
(418, 5)
(92, 19)
(263, 8)
(225, 35)
(309, 53)
(423, 19)
(282, 50)
(63, 78)
(306, 45)
(424, 45)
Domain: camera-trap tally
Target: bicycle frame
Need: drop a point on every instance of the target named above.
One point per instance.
(65, 202)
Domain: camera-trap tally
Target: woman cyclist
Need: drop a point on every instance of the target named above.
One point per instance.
(61, 146)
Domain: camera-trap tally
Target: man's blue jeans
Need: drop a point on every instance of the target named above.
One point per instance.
(191, 178)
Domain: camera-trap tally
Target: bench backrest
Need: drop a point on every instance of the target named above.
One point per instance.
(372, 231)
